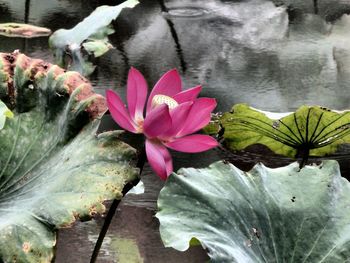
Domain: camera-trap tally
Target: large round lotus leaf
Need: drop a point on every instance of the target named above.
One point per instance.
(315, 130)
(54, 169)
(265, 215)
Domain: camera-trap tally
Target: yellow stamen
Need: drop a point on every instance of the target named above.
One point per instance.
(163, 99)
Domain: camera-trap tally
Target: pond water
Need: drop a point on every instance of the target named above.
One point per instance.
(274, 55)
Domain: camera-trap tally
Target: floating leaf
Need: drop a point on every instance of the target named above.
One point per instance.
(4, 113)
(23, 30)
(315, 131)
(265, 215)
(92, 34)
(54, 169)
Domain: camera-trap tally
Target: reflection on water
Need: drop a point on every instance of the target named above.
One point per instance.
(273, 55)
(248, 51)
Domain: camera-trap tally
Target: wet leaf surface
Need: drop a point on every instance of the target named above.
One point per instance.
(265, 215)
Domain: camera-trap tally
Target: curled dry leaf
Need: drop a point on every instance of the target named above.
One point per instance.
(23, 30)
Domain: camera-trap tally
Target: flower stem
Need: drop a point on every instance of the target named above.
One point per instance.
(304, 154)
(113, 208)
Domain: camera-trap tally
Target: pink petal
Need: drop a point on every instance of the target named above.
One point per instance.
(169, 84)
(159, 159)
(136, 94)
(193, 143)
(178, 117)
(119, 112)
(157, 122)
(199, 116)
(188, 95)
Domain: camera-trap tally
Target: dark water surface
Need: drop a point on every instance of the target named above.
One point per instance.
(275, 55)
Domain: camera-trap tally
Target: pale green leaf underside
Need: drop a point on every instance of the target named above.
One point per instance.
(312, 128)
(266, 215)
(4, 113)
(54, 169)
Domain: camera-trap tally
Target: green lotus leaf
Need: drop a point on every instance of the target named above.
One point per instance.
(4, 113)
(265, 215)
(311, 130)
(23, 30)
(54, 169)
(91, 33)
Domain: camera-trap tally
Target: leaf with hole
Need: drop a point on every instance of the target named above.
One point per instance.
(265, 215)
(311, 130)
(54, 169)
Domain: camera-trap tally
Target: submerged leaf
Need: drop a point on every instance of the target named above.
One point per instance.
(265, 215)
(23, 30)
(91, 33)
(4, 113)
(311, 130)
(54, 169)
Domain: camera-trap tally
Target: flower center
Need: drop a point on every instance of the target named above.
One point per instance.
(163, 99)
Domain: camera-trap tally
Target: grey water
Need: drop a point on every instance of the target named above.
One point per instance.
(274, 55)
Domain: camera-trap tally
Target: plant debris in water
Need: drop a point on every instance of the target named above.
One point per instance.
(23, 30)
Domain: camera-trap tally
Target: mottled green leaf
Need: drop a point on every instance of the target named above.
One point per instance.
(91, 33)
(311, 130)
(54, 169)
(265, 215)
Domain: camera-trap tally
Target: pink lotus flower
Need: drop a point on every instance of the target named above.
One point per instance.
(171, 116)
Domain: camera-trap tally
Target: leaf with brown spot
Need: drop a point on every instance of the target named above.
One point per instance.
(249, 217)
(53, 168)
